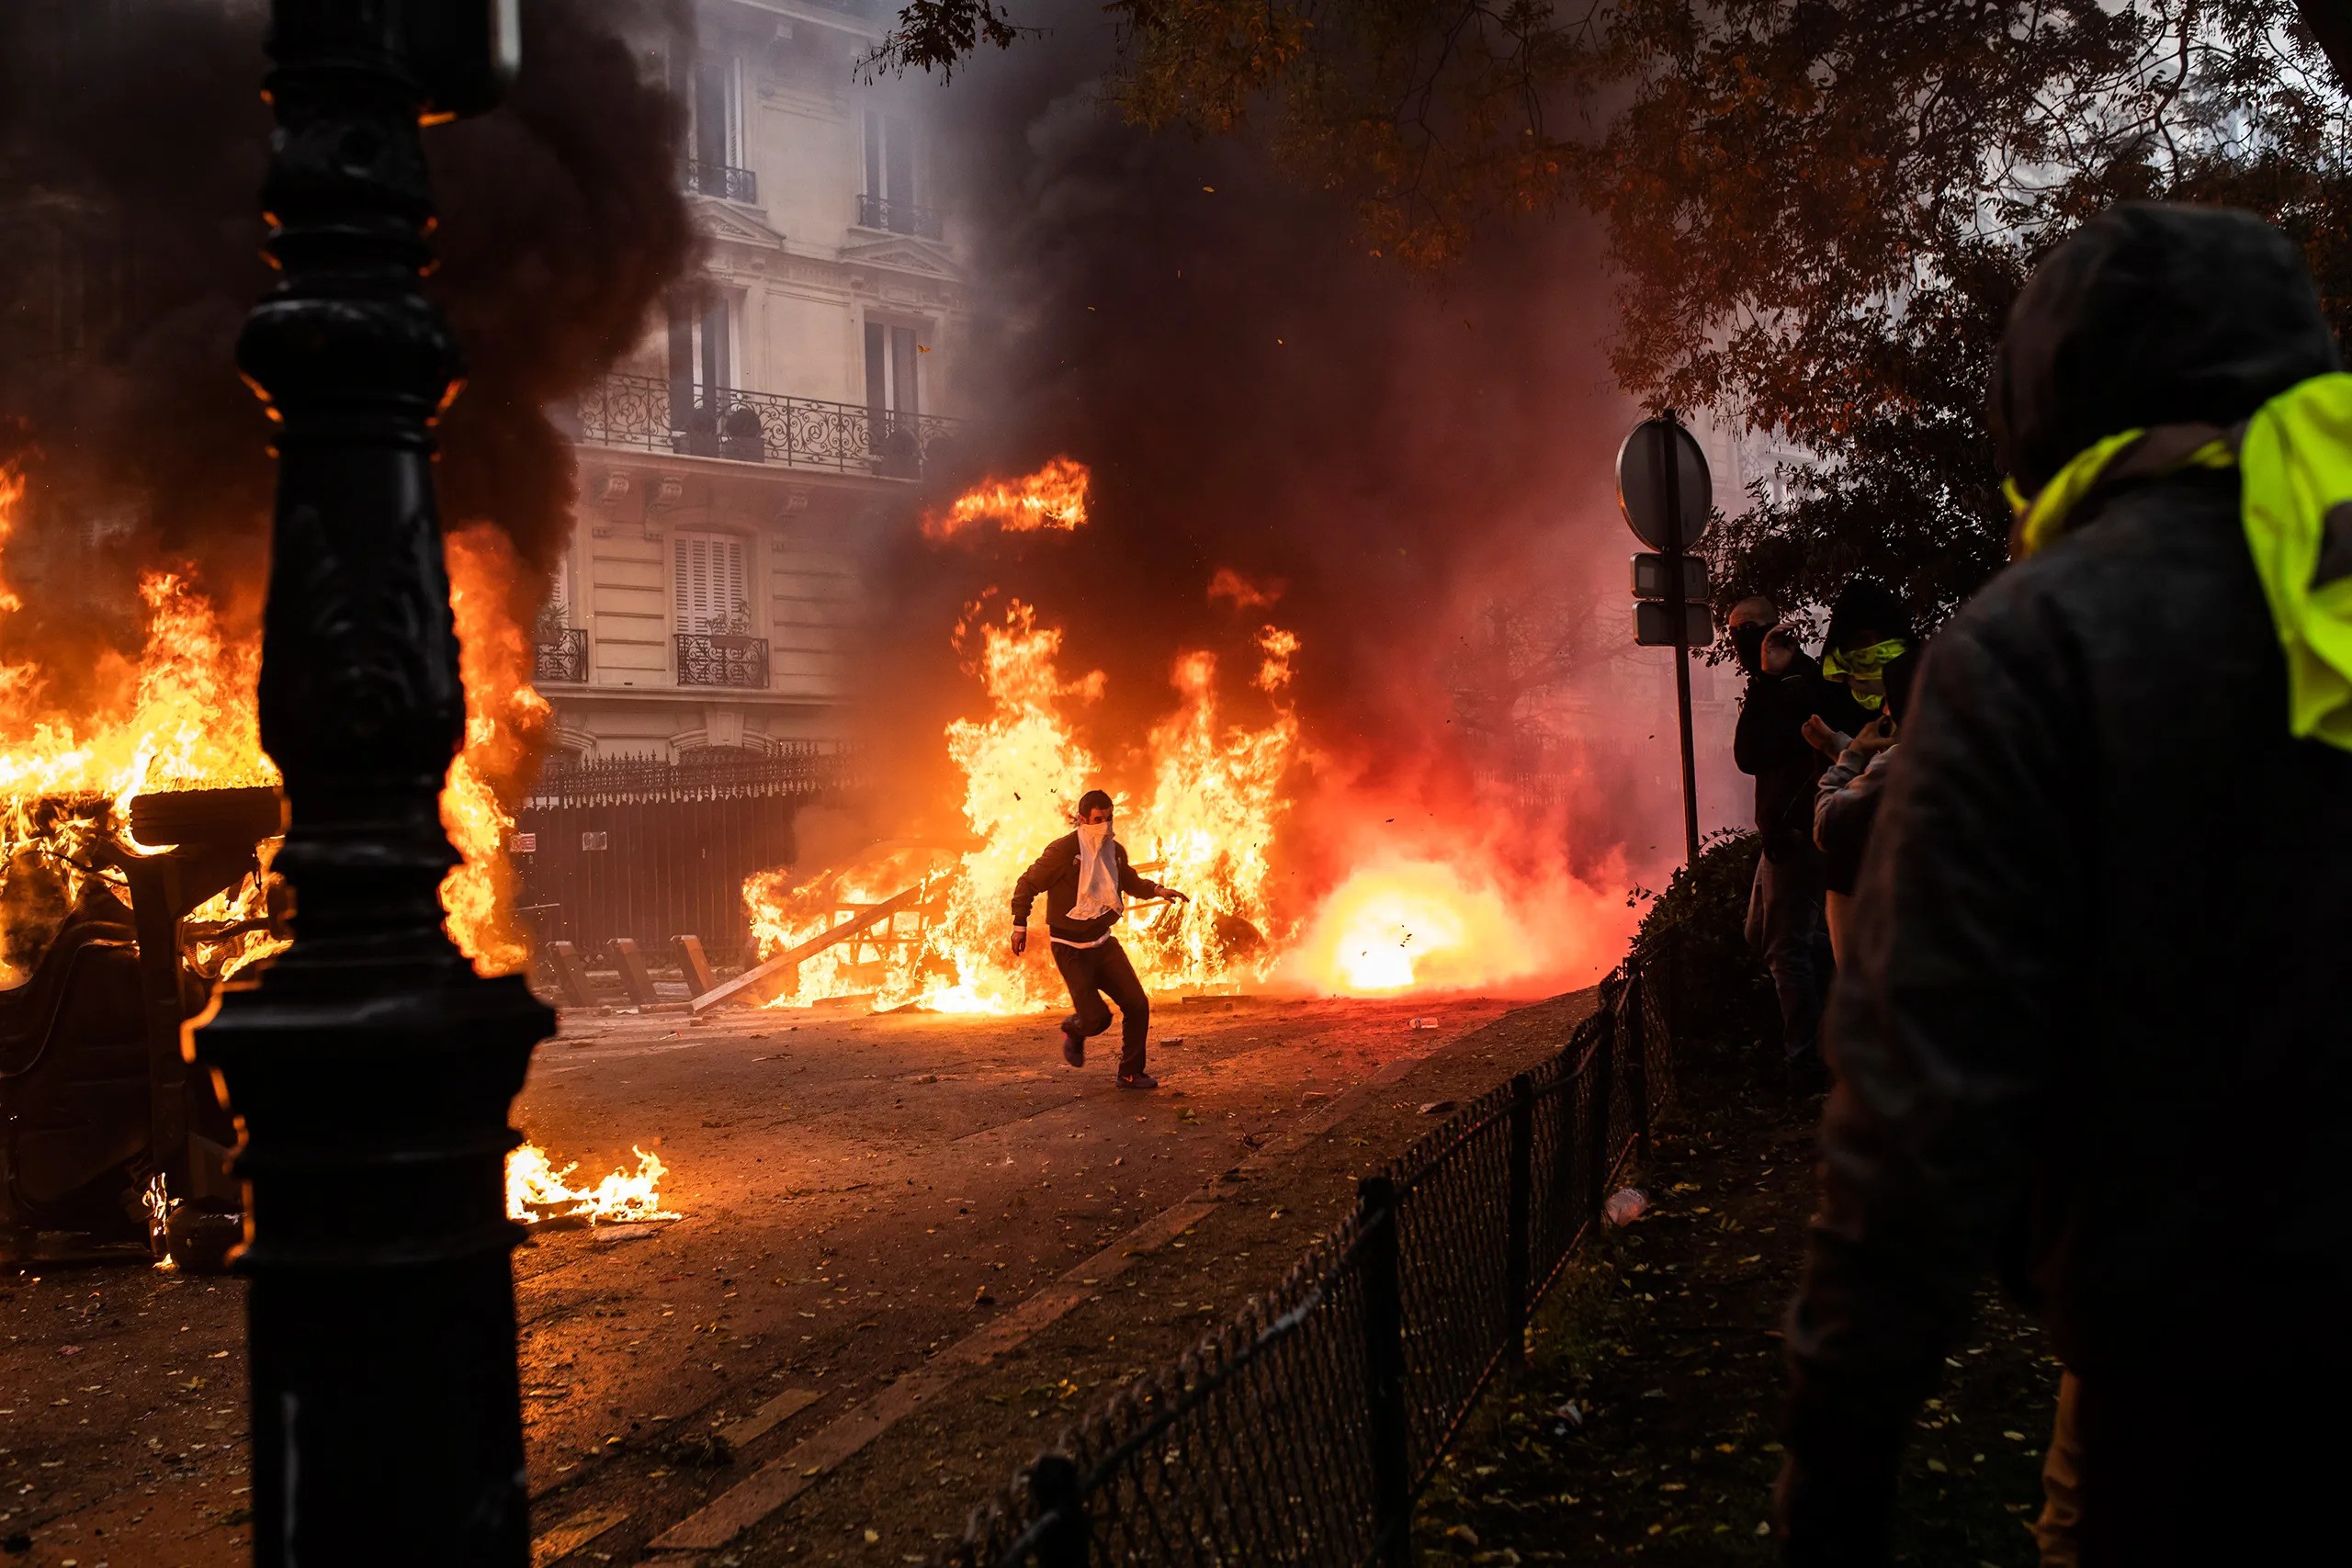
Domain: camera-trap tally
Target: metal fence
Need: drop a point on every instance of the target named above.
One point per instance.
(1304, 1432)
(654, 415)
(898, 217)
(654, 850)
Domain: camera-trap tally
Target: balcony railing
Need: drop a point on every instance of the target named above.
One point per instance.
(654, 415)
(721, 658)
(723, 180)
(897, 217)
(561, 657)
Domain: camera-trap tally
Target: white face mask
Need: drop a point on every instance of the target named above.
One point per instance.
(1093, 834)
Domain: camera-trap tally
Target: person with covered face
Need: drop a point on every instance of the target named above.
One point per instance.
(1873, 652)
(1786, 692)
(2096, 1028)
(1086, 879)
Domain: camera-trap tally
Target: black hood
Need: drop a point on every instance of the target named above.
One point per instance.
(1866, 603)
(2152, 314)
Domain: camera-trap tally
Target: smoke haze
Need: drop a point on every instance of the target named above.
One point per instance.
(1286, 428)
(132, 143)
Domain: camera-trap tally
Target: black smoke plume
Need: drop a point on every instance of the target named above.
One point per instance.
(1257, 392)
(132, 142)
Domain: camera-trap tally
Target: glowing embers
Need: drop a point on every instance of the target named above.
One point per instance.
(1054, 497)
(539, 1193)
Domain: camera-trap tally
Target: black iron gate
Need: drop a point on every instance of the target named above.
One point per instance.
(653, 849)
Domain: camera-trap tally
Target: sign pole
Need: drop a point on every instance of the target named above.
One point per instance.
(1670, 475)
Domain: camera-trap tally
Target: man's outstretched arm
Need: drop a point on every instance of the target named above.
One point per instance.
(1132, 883)
(1944, 1035)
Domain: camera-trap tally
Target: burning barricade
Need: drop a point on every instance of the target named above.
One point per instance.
(136, 829)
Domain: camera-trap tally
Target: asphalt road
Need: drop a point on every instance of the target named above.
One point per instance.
(912, 1247)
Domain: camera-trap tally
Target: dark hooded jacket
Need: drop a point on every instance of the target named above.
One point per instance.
(2098, 1026)
(1769, 744)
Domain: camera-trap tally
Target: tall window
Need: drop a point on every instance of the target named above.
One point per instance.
(713, 92)
(891, 383)
(702, 349)
(891, 200)
(712, 589)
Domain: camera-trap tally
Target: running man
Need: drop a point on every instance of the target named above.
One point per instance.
(1086, 878)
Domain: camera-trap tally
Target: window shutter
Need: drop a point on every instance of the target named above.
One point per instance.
(712, 583)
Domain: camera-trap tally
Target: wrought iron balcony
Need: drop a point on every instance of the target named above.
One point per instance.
(561, 657)
(653, 416)
(723, 180)
(721, 658)
(897, 217)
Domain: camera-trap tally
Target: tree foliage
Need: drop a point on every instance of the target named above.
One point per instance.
(1821, 212)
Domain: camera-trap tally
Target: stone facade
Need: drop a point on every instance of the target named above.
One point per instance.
(737, 471)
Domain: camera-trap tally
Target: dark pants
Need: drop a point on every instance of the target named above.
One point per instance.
(1093, 972)
(1790, 930)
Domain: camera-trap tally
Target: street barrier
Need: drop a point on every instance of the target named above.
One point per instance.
(1304, 1431)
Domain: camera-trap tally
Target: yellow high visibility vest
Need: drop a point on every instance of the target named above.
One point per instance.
(2295, 459)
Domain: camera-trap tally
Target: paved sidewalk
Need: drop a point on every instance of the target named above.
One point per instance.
(1647, 1425)
(863, 1196)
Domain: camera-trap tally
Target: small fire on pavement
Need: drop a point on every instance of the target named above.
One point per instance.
(538, 1192)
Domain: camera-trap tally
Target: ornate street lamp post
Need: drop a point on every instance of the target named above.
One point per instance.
(371, 1067)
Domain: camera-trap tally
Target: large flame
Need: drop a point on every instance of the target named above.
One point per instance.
(1471, 897)
(505, 718)
(1053, 497)
(182, 714)
(179, 717)
(1204, 829)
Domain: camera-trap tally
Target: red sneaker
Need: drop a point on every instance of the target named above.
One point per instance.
(1137, 1080)
(1073, 1049)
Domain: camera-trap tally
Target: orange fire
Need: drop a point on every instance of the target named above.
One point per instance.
(504, 717)
(1216, 798)
(537, 1190)
(182, 714)
(1476, 898)
(1053, 497)
(179, 717)
(1410, 924)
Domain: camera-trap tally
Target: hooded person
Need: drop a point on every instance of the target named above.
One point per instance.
(1873, 652)
(1086, 879)
(2096, 1030)
(1870, 635)
(1785, 695)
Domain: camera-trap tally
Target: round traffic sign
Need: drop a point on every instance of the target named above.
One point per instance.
(1642, 477)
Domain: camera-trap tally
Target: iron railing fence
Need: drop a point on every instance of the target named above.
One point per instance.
(1303, 1433)
(721, 658)
(654, 850)
(651, 415)
(898, 217)
(788, 771)
(722, 180)
(561, 655)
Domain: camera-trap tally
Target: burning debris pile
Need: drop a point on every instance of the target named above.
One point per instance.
(1212, 808)
(1206, 826)
(182, 716)
(538, 1193)
(138, 817)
